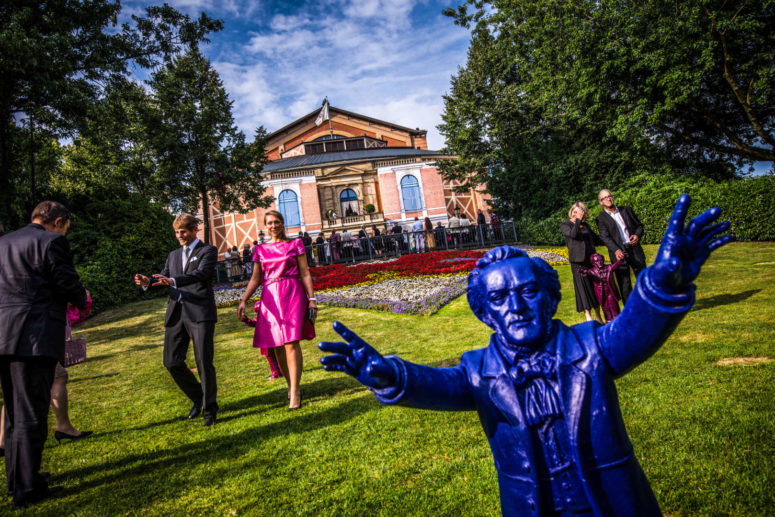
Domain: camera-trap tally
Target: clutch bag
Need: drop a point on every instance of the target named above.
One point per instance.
(75, 351)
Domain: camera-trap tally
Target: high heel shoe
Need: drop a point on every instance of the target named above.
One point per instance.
(296, 407)
(59, 436)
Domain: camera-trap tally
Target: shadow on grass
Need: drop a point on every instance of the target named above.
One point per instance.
(115, 482)
(723, 299)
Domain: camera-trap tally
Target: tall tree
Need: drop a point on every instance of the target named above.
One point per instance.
(201, 154)
(501, 139)
(112, 153)
(57, 57)
(697, 77)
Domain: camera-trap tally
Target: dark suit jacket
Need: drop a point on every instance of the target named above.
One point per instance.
(609, 230)
(194, 284)
(589, 358)
(37, 280)
(576, 240)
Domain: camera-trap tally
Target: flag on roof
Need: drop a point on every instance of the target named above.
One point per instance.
(323, 115)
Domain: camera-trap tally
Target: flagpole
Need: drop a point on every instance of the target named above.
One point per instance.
(328, 112)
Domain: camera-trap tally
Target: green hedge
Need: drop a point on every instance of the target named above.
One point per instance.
(116, 238)
(747, 203)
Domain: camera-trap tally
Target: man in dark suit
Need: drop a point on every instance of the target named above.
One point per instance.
(545, 391)
(621, 232)
(191, 316)
(37, 281)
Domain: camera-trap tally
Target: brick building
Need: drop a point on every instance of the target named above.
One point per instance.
(345, 172)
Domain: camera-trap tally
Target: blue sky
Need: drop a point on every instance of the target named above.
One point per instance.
(389, 59)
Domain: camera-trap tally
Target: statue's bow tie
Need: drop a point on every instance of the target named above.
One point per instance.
(524, 370)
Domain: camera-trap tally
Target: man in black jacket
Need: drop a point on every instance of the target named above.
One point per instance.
(37, 281)
(191, 316)
(621, 231)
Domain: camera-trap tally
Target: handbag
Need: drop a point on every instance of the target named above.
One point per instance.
(75, 349)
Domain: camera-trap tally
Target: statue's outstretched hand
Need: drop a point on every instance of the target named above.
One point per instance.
(684, 249)
(358, 359)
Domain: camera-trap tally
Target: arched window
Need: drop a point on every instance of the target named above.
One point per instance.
(410, 193)
(329, 137)
(288, 205)
(349, 202)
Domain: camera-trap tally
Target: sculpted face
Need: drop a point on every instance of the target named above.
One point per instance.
(597, 260)
(517, 308)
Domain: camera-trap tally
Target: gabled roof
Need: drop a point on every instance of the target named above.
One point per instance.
(359, 155)
(314, 114)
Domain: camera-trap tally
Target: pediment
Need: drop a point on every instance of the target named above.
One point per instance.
(345, 170)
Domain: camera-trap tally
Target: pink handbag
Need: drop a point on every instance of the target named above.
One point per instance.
(75, 349)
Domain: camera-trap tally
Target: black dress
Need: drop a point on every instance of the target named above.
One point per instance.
(581, 245)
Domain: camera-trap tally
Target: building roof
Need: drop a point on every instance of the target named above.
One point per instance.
(314, 114)
(359, 155)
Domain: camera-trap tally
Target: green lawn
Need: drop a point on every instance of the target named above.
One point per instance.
(704, 433)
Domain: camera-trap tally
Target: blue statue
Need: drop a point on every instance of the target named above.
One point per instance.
(545, 391)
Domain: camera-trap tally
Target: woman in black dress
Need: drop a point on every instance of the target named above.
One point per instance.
(581, 242)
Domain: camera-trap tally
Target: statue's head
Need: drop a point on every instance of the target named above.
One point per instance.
(514, 295)
(597, 259)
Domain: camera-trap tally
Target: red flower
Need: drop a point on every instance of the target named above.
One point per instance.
(435, 263)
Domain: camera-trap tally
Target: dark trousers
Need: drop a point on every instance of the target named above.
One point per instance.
(636, 260)
(179, 332)
(26, 383)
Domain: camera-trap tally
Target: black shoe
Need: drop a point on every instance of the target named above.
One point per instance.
(50, 492)
(194, 412)
(210, 420)
(2, 452)
(64, 436)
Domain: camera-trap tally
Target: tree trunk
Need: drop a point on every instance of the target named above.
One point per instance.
(5, 177)
(206, 216)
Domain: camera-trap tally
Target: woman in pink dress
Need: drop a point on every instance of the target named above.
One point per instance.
(288, 306)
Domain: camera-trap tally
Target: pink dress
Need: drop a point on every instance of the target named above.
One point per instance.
(282, 316)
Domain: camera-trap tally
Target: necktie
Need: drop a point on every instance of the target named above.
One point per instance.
(186, 251)
(533, 375)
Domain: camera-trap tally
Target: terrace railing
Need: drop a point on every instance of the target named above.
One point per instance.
(390, 245)
(396, 244)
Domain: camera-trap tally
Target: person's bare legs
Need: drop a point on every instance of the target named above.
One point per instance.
(279, 353)
(60, 404)
(295, 364)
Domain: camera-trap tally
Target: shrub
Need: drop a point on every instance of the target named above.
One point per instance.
(747, 203)
(369, 208)
(114, 239)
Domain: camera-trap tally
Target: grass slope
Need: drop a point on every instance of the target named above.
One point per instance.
(703, 432)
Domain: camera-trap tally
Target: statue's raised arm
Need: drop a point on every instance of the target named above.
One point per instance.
(358, 359)
(685, 248)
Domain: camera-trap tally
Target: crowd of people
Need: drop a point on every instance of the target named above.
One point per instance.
(372, 241)
(595, 284)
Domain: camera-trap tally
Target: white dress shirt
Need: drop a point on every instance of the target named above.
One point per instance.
(617, 215)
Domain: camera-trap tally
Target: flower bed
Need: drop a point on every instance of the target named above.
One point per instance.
(436, 263)
(412, 284)
(419, 295)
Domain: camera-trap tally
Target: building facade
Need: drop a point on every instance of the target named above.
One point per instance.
(346, 172)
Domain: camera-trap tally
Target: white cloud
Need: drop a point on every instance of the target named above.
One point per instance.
(389, 59)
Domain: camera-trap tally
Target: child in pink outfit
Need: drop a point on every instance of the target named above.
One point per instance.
(267, 352)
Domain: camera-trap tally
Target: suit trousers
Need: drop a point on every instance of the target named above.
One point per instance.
(636, 260)
(26, 383)
(179, 332)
